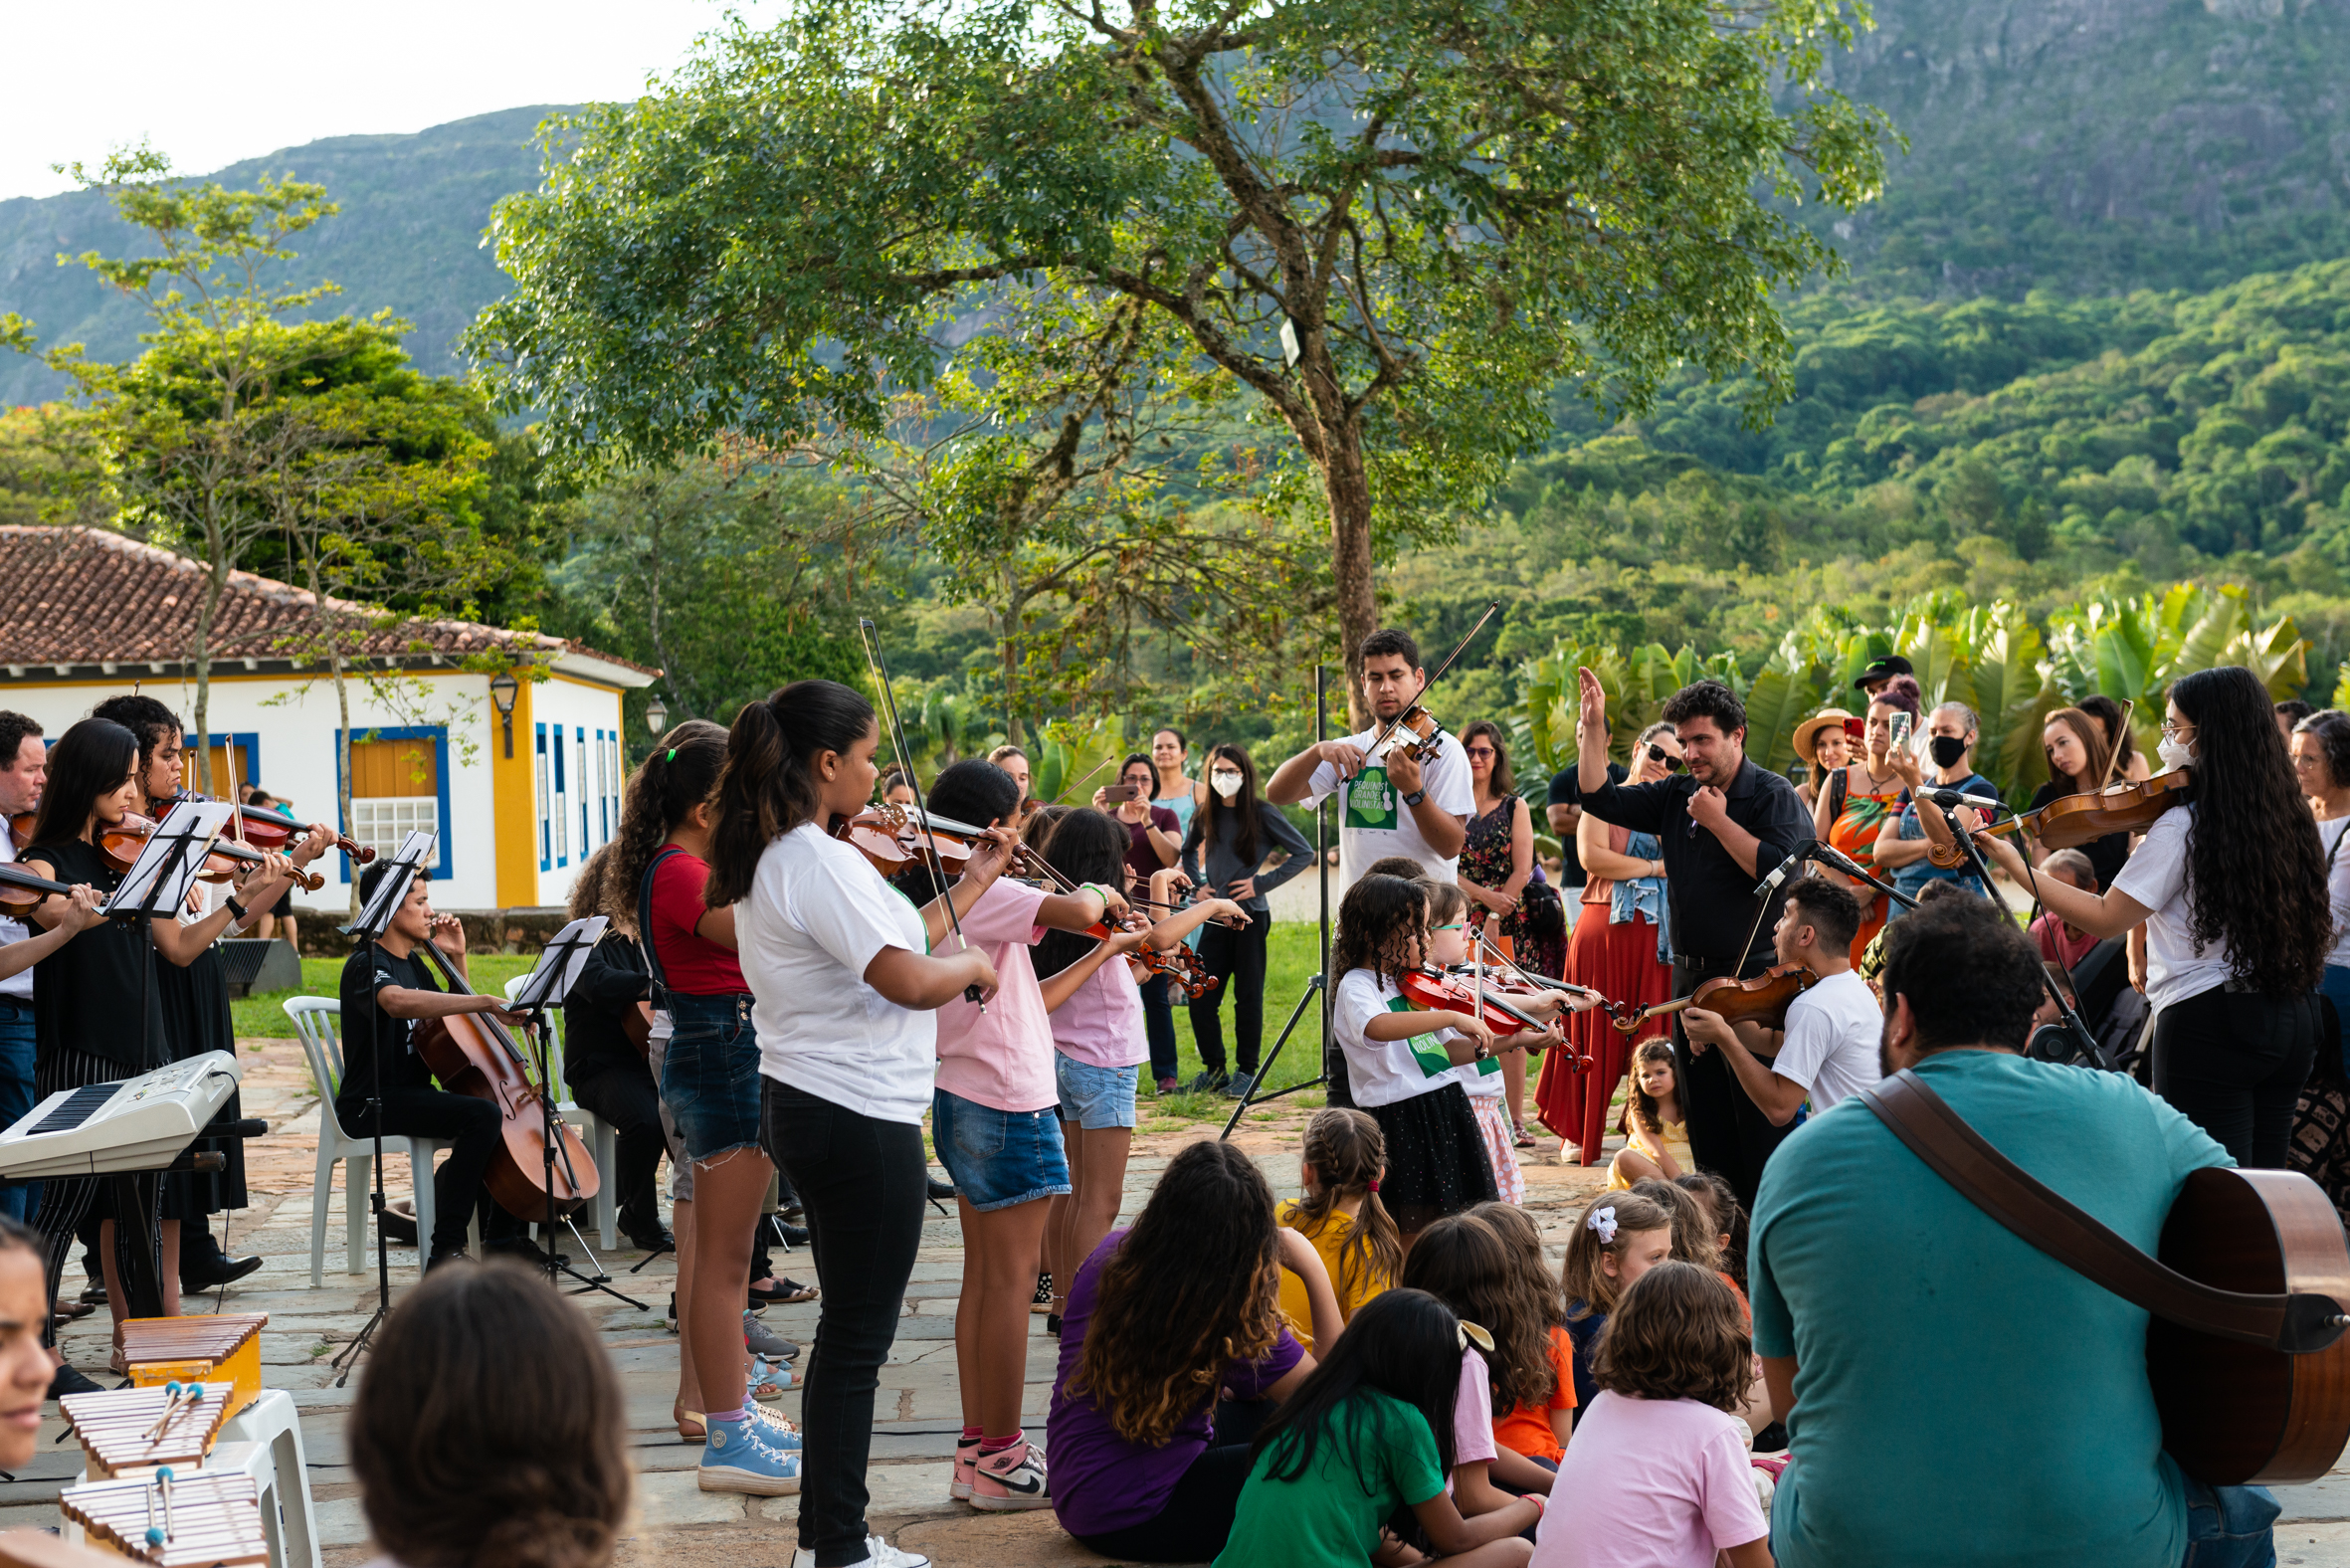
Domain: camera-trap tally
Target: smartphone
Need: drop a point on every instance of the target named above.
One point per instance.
(1858, 729)
(1902, 723)
(1130, 791)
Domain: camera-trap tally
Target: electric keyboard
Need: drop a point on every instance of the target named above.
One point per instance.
(136, 1124)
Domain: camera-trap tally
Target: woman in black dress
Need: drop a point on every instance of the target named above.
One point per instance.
(196, 1017)
(99, 1010)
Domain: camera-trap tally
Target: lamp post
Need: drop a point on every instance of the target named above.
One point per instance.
(503, 688)
(657, 715)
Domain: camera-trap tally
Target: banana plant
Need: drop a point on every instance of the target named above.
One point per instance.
(1079, 757)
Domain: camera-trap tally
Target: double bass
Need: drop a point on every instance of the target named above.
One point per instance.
(472, 1054)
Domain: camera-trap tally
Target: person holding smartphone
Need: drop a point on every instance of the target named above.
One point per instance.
(1859, 799)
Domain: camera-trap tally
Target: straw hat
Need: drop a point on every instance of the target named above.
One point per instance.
(1807, 732)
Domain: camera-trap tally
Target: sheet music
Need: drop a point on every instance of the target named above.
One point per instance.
(415, 850)
(172, 859)
(560, 965)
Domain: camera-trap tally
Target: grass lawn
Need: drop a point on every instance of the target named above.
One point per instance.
(1290, 960)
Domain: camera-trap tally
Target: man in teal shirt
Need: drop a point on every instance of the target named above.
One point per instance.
(1953, 1395)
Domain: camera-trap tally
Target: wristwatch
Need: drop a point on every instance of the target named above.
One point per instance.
(236, 910)
(1416, 797)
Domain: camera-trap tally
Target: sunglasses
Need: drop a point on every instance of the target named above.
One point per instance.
(1657, 753)
(1479, 752)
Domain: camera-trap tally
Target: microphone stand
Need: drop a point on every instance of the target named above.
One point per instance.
(2083, 1042)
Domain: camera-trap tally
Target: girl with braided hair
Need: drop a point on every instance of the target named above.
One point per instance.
(1345, 1155)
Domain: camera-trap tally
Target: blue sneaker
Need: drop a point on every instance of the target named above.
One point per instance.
(779, 1428)
(744, 1456)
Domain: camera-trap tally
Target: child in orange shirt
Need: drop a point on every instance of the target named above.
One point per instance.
(1537, 1428)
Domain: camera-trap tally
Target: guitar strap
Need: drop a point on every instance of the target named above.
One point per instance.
(2297, 1324)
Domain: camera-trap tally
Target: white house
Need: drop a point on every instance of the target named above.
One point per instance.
(518, 798)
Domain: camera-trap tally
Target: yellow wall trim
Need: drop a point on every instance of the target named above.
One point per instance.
(512, 799)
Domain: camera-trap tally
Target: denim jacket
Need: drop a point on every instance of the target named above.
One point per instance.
(1634, 896)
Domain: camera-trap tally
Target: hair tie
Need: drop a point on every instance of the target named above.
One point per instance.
(673, 756)
(1374, 1185)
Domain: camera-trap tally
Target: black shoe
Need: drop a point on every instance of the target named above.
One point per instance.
(1237, 1089)
(793, 1235)
(95, 1295)
(654, 1238)
(793, 1213)
(1053, 1324)
(940, 1191)
(438, 1259)
(216, 1272)
(64, 1380)
(1209, 1082)
(399, 1230)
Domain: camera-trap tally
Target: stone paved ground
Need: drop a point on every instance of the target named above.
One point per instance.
(678, 1526)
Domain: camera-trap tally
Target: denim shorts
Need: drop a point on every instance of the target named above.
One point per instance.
(998, 1158)
(709, 1075)
(1095, 1096)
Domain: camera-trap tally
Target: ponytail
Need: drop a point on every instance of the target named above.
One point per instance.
(660, 794)
(768, 787)
(1348, 1152)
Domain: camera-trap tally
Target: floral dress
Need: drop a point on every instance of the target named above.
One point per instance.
(1537, 927)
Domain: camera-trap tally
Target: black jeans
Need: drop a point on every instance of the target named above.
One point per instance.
(625, 1098)
(1238, 959)
(1729, 1133)
(1158, 1027)
(472, 1128)
(2233, 1063)
(1196, 1521)
(862, 1182)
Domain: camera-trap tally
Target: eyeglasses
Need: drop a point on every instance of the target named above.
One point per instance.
(1454, 926)
(2172, 729)
(1657, 753)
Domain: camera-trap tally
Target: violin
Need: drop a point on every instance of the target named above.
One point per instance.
(1424, 732)
(20, 829)
(1181, 965)
(1762, 999)
(472, 1054)
(123, 841)
(21, 889)
(1442, 991)
(892, 838)
(265, 828)
(2071, 821)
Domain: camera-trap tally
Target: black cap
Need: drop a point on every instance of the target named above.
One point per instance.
(1884, 669)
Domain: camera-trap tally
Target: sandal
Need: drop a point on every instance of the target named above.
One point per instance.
(765, 1381)
(785, 1291)
(694, 1419)
(1524, 1139)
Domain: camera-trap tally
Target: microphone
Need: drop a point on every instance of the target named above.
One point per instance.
(1828, 855)
(1950, 799)
(1762, 888)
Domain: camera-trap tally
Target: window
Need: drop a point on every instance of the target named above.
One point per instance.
(400, 785)
(246, 745)
(580, 771)
(546, 842)
(619, 777)
(603, 791)
(562, 805)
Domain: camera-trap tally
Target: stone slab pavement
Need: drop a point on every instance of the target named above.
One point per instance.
(677, 1526)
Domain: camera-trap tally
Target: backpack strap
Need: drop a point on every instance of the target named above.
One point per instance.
(645, 923)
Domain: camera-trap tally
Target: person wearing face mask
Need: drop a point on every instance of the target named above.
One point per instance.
(1949, 763)
(1224, 852)
(2239, 921)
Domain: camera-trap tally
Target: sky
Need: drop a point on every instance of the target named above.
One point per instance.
(211, 86)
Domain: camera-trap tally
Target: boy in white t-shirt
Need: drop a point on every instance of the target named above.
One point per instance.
(1829, 1048)
(1393, 802)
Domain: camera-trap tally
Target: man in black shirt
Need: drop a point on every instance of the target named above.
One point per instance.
(1723, 826)
(387, 989)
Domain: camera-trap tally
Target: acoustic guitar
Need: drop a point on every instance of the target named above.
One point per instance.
(2245, 1354)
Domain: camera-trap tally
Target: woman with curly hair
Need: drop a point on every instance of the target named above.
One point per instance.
(2233, 891)
(1147, 1458)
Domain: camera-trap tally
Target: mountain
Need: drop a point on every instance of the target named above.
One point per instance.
(409, 237)
(2090, 146)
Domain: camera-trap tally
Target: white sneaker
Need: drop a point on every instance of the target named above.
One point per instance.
(877, 1554)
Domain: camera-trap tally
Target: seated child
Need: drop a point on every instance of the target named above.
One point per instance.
(1619, 1237)
(1722, 1201)
(1369, 1433)
(1535, 1428)
(1653, 1120)
(1659, 1473)
(1463, 1261)
(1341, 1214)
(490, 1430)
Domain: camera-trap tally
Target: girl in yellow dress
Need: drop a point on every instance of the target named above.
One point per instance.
(1653, 1121)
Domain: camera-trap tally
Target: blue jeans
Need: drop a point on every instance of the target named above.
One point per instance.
(2230, 1527)
(19, 1200)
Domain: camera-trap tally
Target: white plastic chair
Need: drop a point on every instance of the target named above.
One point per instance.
(603, 1142)
(314, 1019)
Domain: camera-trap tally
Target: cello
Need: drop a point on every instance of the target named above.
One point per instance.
(472, 1054)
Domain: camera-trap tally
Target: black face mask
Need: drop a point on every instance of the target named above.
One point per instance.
(1947, 750)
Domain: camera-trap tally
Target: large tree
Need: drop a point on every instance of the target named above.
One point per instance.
(1396, 222)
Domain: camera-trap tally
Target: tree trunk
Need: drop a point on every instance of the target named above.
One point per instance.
(216, 575)
(1014, 599)
(1348, 487)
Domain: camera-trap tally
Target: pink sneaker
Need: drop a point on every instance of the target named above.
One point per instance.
(1011, 1479)
(966, 1462)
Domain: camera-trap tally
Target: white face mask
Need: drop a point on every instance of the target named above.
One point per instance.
(1225, 784)
(2174, 753)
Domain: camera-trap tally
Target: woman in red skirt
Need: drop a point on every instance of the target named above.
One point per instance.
(1620, 949)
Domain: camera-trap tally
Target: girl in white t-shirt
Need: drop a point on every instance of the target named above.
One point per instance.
(843, 986)
(1400, 1059)
(992, 1122)
(1094, 1001)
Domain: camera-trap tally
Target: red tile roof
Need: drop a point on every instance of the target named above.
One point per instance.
(84, 596)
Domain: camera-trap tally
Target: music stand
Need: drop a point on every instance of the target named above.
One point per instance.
(156, 883)
(558, 970)
(415, 850)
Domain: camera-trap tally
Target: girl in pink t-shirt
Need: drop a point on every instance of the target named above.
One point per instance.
(1659, 1475)
(991, 1122)
(1096, 1004)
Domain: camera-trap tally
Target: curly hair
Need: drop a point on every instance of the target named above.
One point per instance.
(2328, 728)
(1380, 923)
(1898, 694)
(1192, 1288)
(2256, 866)
(492, 1431)
(680, 774)
(1706, 699)
(1463, 1262)
(1676, 1334)
(1348, 1153)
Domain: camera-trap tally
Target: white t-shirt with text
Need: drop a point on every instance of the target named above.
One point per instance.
(817, 913)
(1832, 1031)
(1381, 1071)
(2156, 876)
(1374, 822)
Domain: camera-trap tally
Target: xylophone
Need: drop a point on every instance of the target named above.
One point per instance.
(130, 1431)
(203, 1520)
(219, 1349)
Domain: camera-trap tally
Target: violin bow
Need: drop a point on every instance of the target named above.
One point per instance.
(2113, 753)
(905, 759)
(1393, 724)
